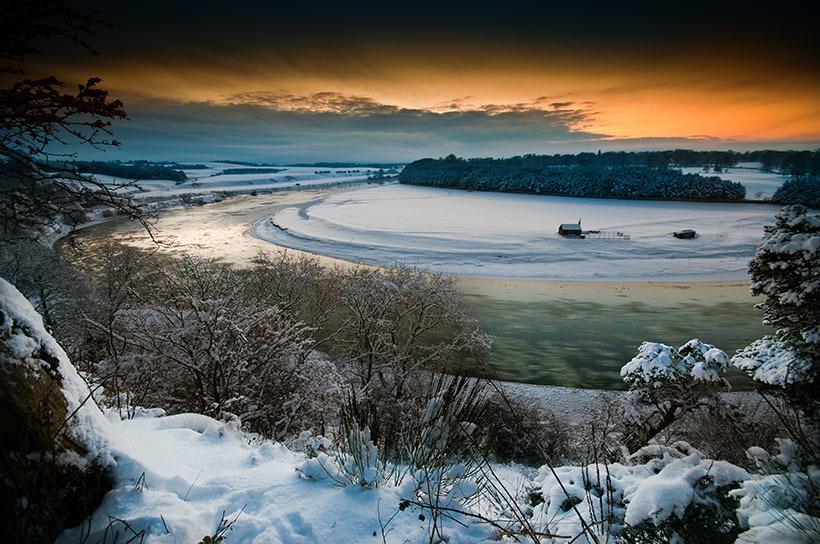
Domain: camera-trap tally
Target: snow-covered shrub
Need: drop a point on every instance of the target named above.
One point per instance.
(786, 270)
(424, 446)
(445, 429)
(304, 286)
(783, 504)
(360, 458)
(391, 329)
(657, 495)
(397, 321)
(55, 289)
(362, 465)
(728, 438)
(440, 453)
(667, 383)
(310, 444)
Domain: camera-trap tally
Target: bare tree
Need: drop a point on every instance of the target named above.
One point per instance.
(39, 118)
(206, 343)
(398, 321)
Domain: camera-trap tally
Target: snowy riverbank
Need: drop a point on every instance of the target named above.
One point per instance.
(515, 236)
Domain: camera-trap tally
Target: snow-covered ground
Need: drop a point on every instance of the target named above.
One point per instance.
(759, 185)
(213, 179)
(515, 235)
(177, 476)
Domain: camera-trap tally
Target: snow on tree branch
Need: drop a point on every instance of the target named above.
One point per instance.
(786, 270)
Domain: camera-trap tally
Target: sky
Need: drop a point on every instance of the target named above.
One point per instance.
(381, 81)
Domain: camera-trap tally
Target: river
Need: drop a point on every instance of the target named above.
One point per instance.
(568, 333)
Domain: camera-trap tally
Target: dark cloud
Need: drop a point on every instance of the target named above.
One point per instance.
(197, 50)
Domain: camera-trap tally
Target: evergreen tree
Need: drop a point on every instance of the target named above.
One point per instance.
(786, 270)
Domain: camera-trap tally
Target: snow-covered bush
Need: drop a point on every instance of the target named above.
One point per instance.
(786, 270)
(437, 433)
(397, 321)
(783, 504)
(661, 493)
(667, 383)
(188, 335)
(393, 328)
(361, 463)
(55, 289)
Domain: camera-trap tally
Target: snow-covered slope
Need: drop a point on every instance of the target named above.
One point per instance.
(177, 476)
(29, 346)
(514, 235)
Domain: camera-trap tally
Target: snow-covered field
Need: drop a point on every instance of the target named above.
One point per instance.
(213, 179)
(759, 185)
(515, 236)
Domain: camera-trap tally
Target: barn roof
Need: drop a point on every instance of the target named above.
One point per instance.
(570, 226)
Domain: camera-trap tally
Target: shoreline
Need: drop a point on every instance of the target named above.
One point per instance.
(510, 282)
(682, 281)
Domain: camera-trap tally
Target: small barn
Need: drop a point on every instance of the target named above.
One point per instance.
(570, 230)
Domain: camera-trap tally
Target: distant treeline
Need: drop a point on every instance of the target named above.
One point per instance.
(385, 165)
(248, 163)
(132, 170)
(540, 175)
(253, 170)
(803, 190)
(795, 163)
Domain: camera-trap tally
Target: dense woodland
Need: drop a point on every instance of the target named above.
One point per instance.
(803, 190)
(787, 162)
(540, 175)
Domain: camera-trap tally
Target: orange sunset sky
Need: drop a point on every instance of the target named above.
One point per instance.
(478, 79)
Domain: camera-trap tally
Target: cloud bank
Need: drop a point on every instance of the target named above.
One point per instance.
(286, 126)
